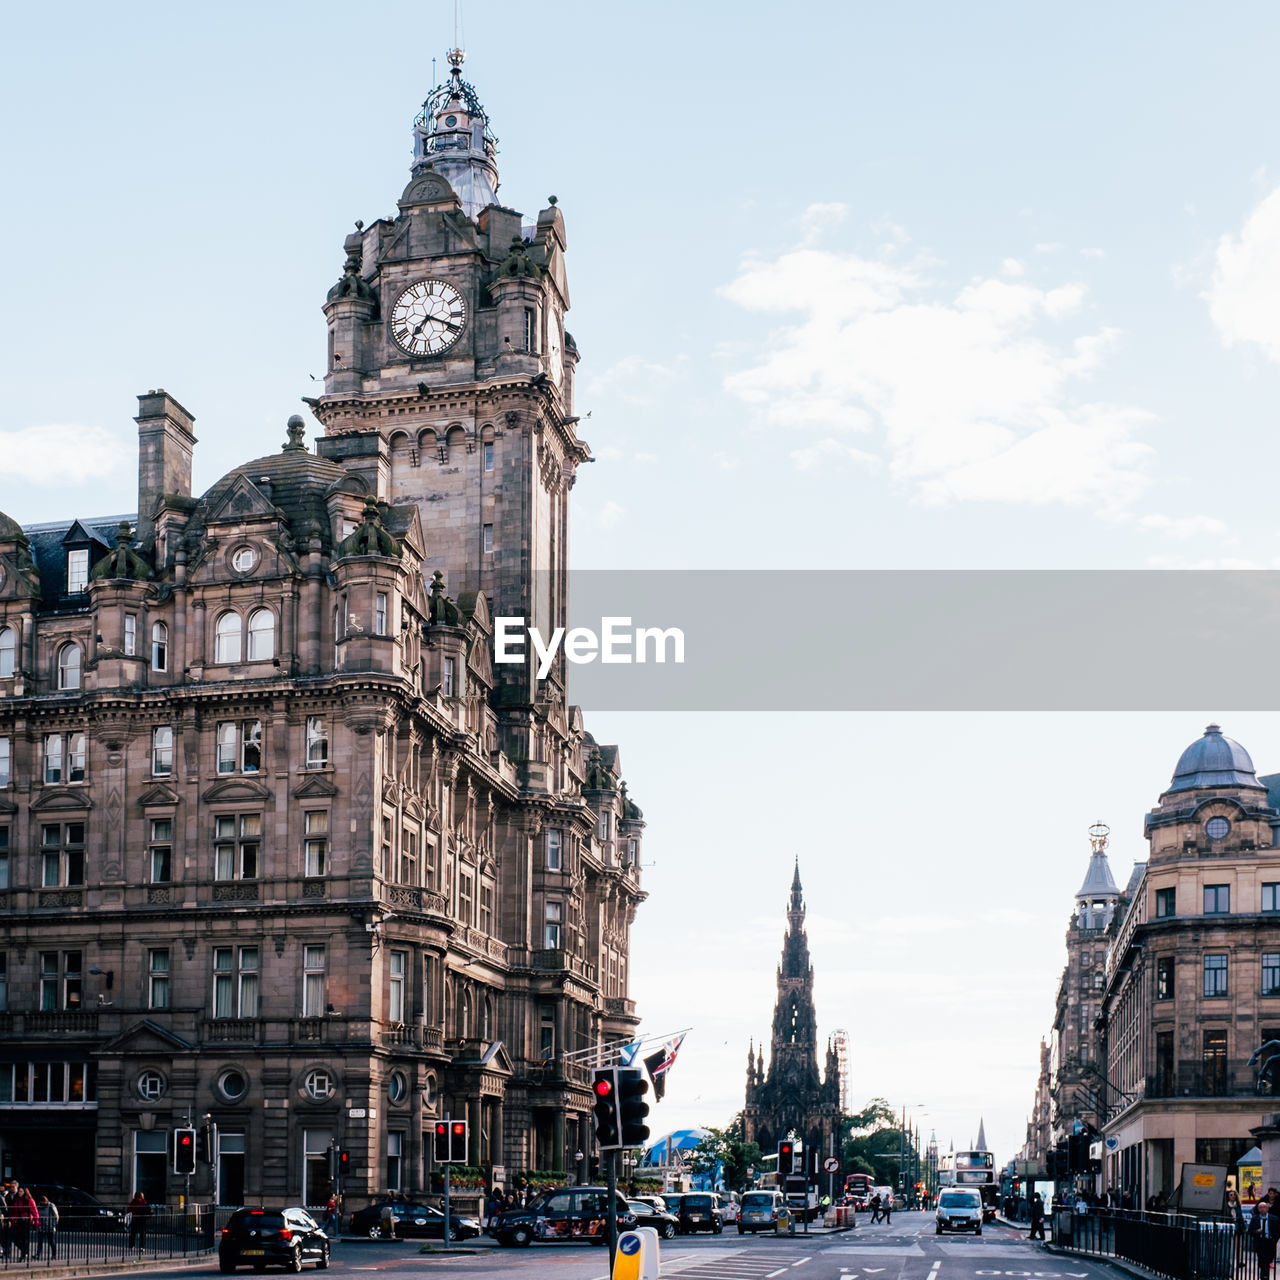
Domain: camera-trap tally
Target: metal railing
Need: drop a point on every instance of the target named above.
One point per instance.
(1178, 1246)
(164, 1233)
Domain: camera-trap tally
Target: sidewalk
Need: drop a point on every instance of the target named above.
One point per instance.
(125, 1267)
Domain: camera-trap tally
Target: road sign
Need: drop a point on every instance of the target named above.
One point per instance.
(831, 1165)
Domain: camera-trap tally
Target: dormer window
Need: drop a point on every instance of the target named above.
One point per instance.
(77, 571)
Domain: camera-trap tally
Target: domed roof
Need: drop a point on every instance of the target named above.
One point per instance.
(1214, 761)
(10, 529)
(296, 482)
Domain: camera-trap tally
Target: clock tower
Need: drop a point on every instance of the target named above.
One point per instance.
(449, 384)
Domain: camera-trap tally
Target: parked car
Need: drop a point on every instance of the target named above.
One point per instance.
(695, 1211)
(412, 1219)
(77, 1210)
(959, 1209)
(563, 1213)
(272, 1238)
(662, 1221)
(759, 1211)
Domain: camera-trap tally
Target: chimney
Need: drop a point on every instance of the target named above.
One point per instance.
(165, 444)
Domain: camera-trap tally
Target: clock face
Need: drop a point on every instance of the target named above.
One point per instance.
(428, 317)
(555, 354)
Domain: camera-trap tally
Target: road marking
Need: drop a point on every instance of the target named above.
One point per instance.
(802, 1261)
(781, 1271)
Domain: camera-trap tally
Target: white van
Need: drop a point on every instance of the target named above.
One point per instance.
(959, 1209)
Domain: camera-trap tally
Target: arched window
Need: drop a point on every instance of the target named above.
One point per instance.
(486, 1025)
(8, 650)
(69, 666)
(262, 635)
(464, 1021)
(226, 644)
(159, 647)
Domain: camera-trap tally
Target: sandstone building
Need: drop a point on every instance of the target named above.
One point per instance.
(279, 843)
(1193, 974)
(792, 1097)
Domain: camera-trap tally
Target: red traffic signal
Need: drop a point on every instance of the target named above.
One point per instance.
(451, 1142)
(786, 1158)
(184, 1151)
(604, 1110)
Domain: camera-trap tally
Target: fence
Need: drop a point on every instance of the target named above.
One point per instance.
(1178, 1246)
(164, 1233)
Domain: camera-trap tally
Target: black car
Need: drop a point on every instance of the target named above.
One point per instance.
(263, 1238)
(412, 1219)
(77, 1210)
(695, 1211)
(564, 1213)
(648, 1215)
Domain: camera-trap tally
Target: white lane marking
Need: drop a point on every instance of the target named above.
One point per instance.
(781, 1271)
(800, 1262)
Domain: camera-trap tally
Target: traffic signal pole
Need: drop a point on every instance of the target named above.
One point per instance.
(445, 1241)
(611, 1221)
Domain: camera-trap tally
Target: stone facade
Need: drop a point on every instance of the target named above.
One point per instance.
(1074, 1085)
(1193, 975)
(792, 1097)
(279, 844)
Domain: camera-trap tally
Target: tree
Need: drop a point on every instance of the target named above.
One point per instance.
(724, 1150)
(876, 1143)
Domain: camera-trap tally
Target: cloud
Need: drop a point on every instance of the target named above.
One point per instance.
(1182, 526)
(611, 515)
(827, 450)
(1244, 293)
(963, 394)
(632, 379)
(83, 453)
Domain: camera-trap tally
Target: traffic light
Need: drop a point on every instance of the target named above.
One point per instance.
(344, 1162)
(184, 1151)
(604, 1108)
(786, 1158)
(207, 1141)
(450, 1146)
(334, 1156)
(457, 1142)
(632, 1108)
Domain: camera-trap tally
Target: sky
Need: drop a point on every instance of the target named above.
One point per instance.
(856, 285)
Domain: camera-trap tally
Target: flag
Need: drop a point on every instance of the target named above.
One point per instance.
(627, 1054)
(658, 1064)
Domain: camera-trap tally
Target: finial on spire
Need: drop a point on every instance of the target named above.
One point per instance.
(1098, 834)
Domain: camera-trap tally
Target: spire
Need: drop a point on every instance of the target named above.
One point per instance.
(1098, 881)
(797, 892)
(982, 1136)
(451, 135)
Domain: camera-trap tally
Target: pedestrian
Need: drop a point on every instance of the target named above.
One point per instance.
(886, 1207)
(47, 1236)
(493, 1206)
(24, 1217)
(331, 1219)
(875, 1207)
(136, 1218)
(1262, 1227)
(1037, 1217)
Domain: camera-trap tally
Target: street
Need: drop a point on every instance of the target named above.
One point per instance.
(906, 1249)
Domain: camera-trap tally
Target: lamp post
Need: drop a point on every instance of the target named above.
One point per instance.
(578, 1158)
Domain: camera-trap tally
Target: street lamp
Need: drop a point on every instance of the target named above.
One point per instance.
(578, 1158)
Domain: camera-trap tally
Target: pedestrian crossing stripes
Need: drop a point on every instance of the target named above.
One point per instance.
(732, 1265)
